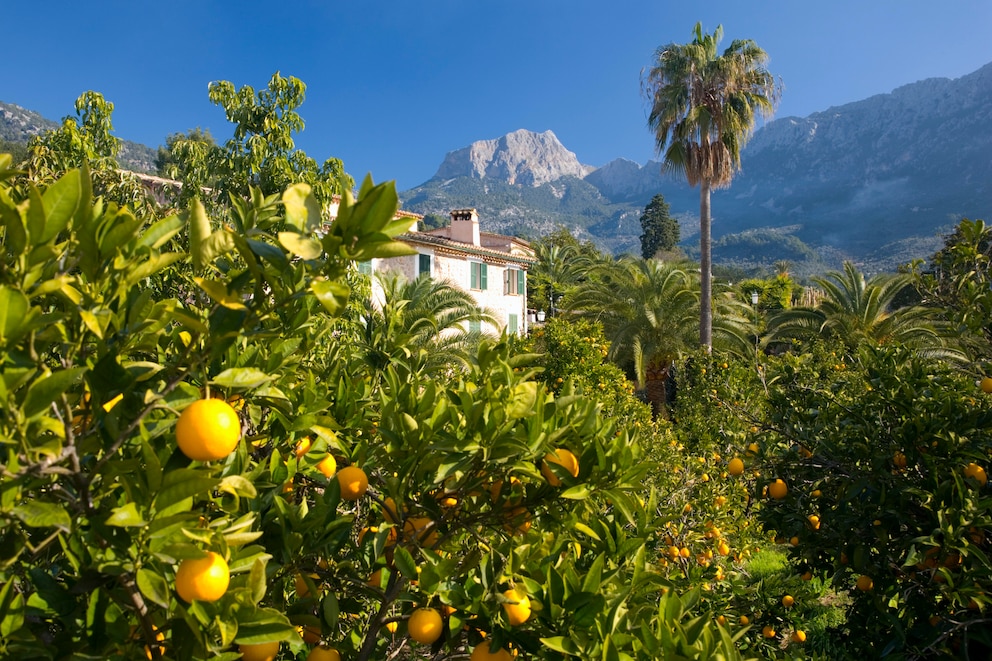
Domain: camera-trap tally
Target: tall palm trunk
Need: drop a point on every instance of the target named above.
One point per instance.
(706, 271)
(656, 388)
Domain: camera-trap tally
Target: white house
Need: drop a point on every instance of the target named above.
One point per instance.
(491, 267)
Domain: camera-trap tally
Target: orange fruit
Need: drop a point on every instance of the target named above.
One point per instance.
(865, 583)
(814, 521)
(744, 620)
(778, 489)
(768, 631)
(323, 653)
(518, 607)
(389, 511)
(482, 653)
(353, 481)
(328, 466)
(736, 466)
(425, 625)
(391, 627)
(204, 578)
(310, 634)
(420, 529)
(208, 429)
(721, 620)
(977, 473)
(562, 457)
(788, 601)
(799, 636)
(899, 459)
(302, 447)
(259, 652)
(986, 384)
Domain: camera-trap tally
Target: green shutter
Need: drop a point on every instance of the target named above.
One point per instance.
(521, 282)
(365, 267)
(511, 324)
(473, 267)
(425, 264)
(482, 278)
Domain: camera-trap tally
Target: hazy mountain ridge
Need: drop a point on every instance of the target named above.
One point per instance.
(877, 181)
(19, 125)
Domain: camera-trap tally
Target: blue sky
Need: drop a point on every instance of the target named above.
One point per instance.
(392, 86)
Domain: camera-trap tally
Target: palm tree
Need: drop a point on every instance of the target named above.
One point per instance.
(854, 310)
(649, 311)
(703, 110)
(422, 321)
(559, 268)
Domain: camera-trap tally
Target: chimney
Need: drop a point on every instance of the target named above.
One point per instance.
(465, 226)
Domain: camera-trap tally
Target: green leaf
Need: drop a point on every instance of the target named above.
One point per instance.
(183, 483)
(153, 587)
(257, 584)
(330, 610)
(237, 485)
(159, 233)
(14, 307)
(562, 645)
(43, 392)
(199, 232)
(217, 291)
(578, 492)
(241, 377)
(333, 295)
(302, 210)
(262, 625)
(125, 516)
(303, 246)
(404, 562)
(61, 201)
(13, 613)
(39, 514)
(523, 399)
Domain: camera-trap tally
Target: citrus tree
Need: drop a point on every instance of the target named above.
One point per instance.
(197, 462)
(876, 467)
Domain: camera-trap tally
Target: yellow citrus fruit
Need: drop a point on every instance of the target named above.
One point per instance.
(744, 620)
(204, 578)
(987, 384)
(865, 583)
(977, 473)
(721, 620)
(518, 607)
(482, 653)
(768, 631)
(425, 625)
(259, 652)
(421, 530)
(814, 521)
(208, 429)
(328, 466)
(323, 653)
(808, 576)
(788, 601)
(899, 459)
(562, 457)
(752, 448)
(391, 627)
(310, 634)
(736, 466)
(353, 481)
(302, 447)
(799, 636)
(778, 489)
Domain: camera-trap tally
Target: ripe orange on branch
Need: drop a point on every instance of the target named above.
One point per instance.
(517, 607)
(353, 482)
(778, 489)
(259, 652)
(562, 457)
(483, 653)
(204, 578)
(208, 429)
(736, 466)
(425, 625)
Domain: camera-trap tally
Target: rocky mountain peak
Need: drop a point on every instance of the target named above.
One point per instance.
(522, 157)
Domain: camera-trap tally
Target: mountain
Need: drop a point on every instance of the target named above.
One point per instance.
(18, 125)
(877, 181)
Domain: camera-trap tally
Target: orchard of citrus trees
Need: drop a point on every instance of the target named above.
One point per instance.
(208, 450)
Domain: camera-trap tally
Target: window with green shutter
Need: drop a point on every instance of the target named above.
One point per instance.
(513, 282)
(424, 267)
(511, 324)
(479, 275)
(365, 267)
(521, 282)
